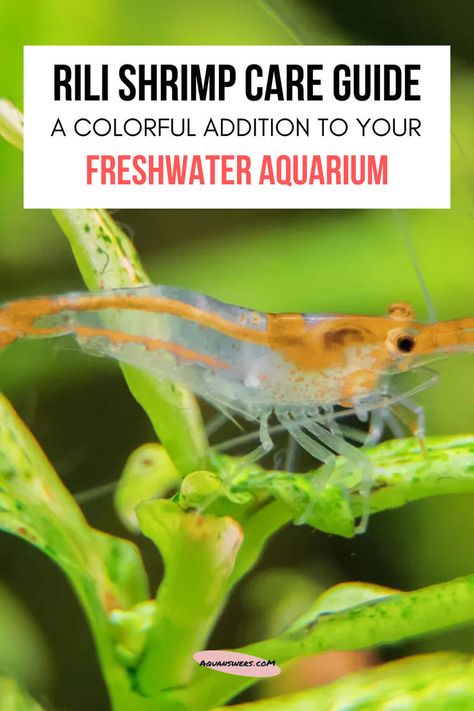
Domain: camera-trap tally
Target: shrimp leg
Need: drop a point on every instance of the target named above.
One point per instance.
(412, 416)
(352, 433)
(354, 454)
(266, 442)
(291, 454)
(431, 377)
(399, 407)
(317, 450)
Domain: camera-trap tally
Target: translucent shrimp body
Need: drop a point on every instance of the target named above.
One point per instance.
(298, 366)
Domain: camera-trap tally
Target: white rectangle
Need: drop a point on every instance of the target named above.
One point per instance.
(354, 147)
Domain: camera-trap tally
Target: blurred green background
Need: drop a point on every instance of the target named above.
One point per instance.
(79, 407)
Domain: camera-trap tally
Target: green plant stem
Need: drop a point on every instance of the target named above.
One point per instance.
(105, 572)
(258, 528)
(199, 554)
(107, 259)
(389, 620)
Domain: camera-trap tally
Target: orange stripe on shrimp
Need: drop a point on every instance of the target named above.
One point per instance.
(119, 338)
(18, 316)
(151, 344)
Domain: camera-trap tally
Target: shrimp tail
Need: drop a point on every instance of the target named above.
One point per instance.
(18, 318)
(10, 327)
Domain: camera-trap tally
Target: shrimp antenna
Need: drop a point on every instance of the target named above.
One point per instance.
(97, 492)
(466, 165)
(272, 11)
(416, 266)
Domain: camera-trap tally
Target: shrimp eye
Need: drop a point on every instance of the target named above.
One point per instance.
(405, 343)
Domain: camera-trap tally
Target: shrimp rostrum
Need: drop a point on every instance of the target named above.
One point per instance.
(307, 370)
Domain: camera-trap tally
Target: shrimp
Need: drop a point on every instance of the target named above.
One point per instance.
(308, 370)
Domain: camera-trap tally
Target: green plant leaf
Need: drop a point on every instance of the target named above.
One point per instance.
(148, 473)
(104, 254)
(326, 508)
(434, 682)
(131, 628)
(401, 473)
(338, 598)
(106, 572)
(404, 473)
(382, 620)
(36, 506)
(13, 698)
